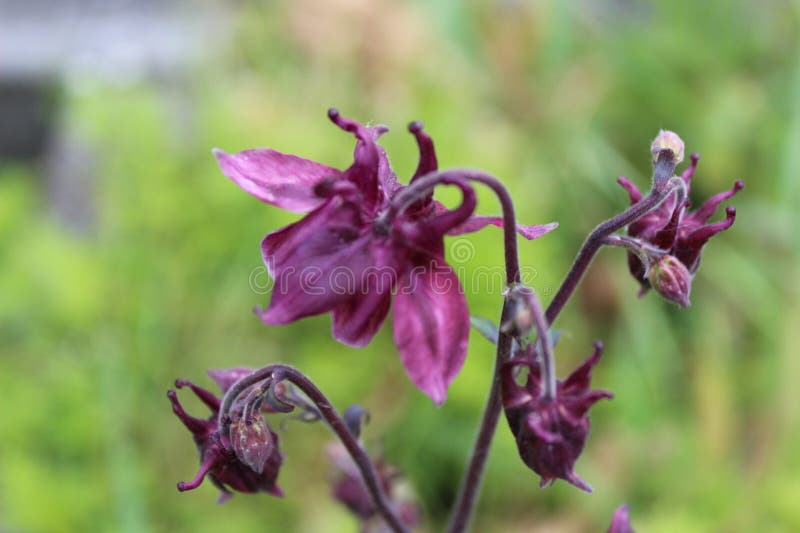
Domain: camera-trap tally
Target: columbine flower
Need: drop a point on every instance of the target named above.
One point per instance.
(550, 432)
(351, 252)
(621, 522)
(671, 227)
(249, 464)
(347, 487)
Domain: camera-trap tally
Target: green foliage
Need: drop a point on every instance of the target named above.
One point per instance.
(555, 100)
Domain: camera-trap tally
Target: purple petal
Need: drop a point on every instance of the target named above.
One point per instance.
(633, 191)
(706, 211)
(431, 326)
(478, 222)
(386, 176)
(314, 262)
(283, 180)
(366, 169)
(621, 522)
(427, 153)
(579, 380)
(357, 321)
(226, 377)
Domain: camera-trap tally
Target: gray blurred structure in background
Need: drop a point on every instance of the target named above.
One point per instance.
(51, 46)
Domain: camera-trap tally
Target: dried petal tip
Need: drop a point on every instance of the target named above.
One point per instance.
(621, 522)
(668, 140)
(333, 113)
(671, 279)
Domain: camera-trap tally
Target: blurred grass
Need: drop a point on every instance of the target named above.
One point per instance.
(557, 101)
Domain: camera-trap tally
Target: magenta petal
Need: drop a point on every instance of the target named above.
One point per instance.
(283, 180)
(315, 262)
(621, 522)
(356, 321)
(477, 222)
(431, 326)
(226, 377)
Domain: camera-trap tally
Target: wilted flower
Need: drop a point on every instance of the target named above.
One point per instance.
(354, 249)
(550, 432)
(673, 229)
(347, 487)
(249, 464)
(621, 522)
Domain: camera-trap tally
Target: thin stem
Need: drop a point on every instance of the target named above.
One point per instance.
(663, 186)
(360, 457)
(469, 489)
(463, 508)
(423, 186)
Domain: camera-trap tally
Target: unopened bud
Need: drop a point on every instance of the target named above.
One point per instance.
(520, 320)
(668, 140)
(671, 279)
(252, 442)
(621, 522)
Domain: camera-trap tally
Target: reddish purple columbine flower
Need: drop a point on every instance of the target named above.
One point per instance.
(347, 487)
(621, 521)
(671, 227)
(550, 432)
(246, 461)
(355, 249)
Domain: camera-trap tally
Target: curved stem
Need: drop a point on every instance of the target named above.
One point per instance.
(663, 186)
(360, 457)
(471, 482)
(423, 186)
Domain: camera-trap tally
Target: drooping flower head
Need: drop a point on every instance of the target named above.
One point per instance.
(621, 521)
(671, 227)
(550, 432)
(347, 487)
(357, 247)
(248, 458)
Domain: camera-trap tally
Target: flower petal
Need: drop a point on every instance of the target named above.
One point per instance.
(226, 377)
(621, 521)
(579, 381)
(478, 222)
(431, 326)
(314, 262)
(356, 321)
(283, 180)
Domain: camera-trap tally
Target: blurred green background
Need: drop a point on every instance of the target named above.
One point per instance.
(557, 99)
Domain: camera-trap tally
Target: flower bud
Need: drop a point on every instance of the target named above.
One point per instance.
(668, 140)
(671, 279)
(348, 488)
(621, 522)
(252, 442)
(520, 305)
